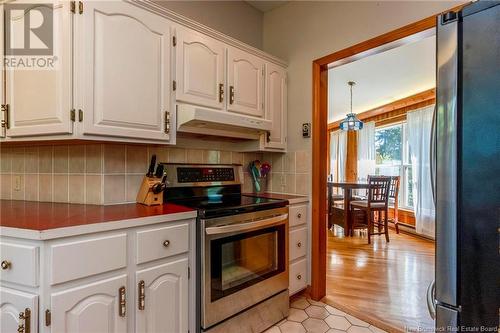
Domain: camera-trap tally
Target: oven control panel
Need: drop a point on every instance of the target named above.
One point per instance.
(204, 174)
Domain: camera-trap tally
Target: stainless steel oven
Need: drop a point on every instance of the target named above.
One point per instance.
(244, 261)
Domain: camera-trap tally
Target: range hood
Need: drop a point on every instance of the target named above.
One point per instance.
(199, 120)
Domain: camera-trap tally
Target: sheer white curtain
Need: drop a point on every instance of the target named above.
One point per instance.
(338, 154)
(366, 151)
(419, 123)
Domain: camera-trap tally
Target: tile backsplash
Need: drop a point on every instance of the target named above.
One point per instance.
(112, 173)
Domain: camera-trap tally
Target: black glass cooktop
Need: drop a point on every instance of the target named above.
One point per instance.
(218, 206)
(218, 201)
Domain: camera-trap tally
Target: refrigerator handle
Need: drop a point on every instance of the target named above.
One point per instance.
(431, 304)
(433, 155)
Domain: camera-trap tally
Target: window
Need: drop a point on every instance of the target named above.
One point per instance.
(393, 159)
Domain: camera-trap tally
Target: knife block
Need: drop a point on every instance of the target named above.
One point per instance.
(146, 196)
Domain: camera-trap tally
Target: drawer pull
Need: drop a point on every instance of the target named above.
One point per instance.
(299, 215)
(6, 264)
(142, 295)
(299, 277)
(166, 243)
(122, 307)
(299, 244)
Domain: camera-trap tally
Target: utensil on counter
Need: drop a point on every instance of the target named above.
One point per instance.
(257, 165)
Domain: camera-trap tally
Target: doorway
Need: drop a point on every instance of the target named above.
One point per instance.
(373, 46)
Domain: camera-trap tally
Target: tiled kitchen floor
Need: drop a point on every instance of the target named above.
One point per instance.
(307, 315)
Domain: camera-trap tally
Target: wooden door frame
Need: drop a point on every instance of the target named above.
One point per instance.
(372, 46)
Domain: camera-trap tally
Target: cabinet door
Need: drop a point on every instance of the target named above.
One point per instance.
(94, 307)
(276, 111)
(12, 304)
(3, 130)
(124, 71)
(38, 87)
(245, 76)
(165, 305)
(199, 69)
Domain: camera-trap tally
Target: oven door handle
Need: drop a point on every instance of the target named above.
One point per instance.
(246, 226)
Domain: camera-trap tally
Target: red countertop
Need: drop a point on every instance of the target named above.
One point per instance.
(40, 216)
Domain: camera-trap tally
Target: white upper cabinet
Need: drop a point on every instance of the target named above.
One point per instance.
(18, 310)
(116, 70)
(164, 303)
(123, 73)
(245, 80)
(276, 103)
(38, 70)
(93, 307)
(199, 69)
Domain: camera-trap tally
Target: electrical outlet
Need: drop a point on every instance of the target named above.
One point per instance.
(17, 183)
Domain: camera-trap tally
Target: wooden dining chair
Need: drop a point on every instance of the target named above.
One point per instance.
(333, 205)
(363, 211)
(394, 200)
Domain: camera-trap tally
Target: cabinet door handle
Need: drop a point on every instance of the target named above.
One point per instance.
(25, 316)
(221, 92)
(231, 95)
(299, 244)
(6, 264)
(166, 243)
(299, 277)
(142, 295)
(299, 215)
(122, 307)
(167, 122)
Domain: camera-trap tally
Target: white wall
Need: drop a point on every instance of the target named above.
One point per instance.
(302, 31)
(234, 18)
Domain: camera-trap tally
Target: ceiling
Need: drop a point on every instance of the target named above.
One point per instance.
(265, 6)
(382, 78)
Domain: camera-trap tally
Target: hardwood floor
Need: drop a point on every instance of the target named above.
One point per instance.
(382, 283)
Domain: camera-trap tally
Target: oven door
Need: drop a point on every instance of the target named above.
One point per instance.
(245, 261)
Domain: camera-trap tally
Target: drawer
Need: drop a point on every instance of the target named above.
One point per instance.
(298, 215)
(153, 244)
(298, 243)
(298, 276)
(85, 257)
(20, 263)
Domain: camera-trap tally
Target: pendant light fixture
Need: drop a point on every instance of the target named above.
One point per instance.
(351, 122)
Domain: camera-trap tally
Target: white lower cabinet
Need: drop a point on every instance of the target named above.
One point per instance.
(94, 284)
(162, 304)
(18, 311)
(93, 307)
(298, 247)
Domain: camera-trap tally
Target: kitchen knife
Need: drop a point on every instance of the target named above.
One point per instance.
(159, 171)
(152, 165)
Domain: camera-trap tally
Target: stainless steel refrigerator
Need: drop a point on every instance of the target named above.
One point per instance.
(466, 170)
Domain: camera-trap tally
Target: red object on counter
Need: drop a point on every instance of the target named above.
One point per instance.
(47, 215)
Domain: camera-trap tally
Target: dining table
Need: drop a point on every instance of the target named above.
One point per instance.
(348, 188)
